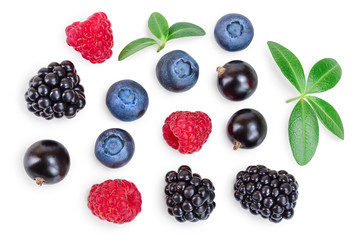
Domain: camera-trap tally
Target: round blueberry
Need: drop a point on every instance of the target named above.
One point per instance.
(177, 71)
(127, 100)
(234, 32)
(114, 147)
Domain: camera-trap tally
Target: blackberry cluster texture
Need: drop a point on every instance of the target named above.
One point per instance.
(187, 131)
(270, 193)
(188, 196)
(117, 201)
(93, 38)
(55, 91)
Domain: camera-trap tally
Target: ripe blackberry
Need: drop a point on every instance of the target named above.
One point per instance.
(55, 91)
(188, 196)
(270, 193)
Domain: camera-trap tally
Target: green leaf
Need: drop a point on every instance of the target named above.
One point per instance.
(158, 26)
(303, 132)
(289, 65)
(136, 46)
(324, 75)
(184, 29)
(327, 115)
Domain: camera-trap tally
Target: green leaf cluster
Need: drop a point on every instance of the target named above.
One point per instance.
(303, 127)
(159, 26)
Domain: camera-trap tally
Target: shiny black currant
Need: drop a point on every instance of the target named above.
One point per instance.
(237, 80)
(246, 128)
(47, 162)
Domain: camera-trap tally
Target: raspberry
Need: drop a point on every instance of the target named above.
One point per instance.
(187, 131)
(93, 38)
(117, 201)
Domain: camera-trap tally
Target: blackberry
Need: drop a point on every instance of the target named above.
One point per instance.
(269, 193)
(188, 196)
(55, 91)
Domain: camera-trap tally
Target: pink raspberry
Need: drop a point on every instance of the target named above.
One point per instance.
(93, 38)
(117, 201)
(187, 131)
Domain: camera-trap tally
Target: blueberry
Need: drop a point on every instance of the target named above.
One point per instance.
(114, 147)
(127, 100)
(234, 32)
(177, 71)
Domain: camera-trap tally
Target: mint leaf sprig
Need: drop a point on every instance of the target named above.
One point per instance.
(159, 27)
(303, 129)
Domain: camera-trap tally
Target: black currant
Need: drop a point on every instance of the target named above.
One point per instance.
(47, 161)
(246, 129)
(237, 80)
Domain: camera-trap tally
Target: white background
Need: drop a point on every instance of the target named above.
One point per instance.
(33, 35)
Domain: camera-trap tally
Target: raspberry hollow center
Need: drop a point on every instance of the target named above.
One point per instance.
(113, 145)
(170, 137)
(235, 29)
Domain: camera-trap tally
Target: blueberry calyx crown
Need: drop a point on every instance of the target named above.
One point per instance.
(235, 29)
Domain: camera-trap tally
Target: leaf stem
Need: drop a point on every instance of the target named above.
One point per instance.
(295, 98)
(162, 46)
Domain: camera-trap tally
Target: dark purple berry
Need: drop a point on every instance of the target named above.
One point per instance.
(246, 129)
(273, 197)
(188, 197)
(56, 89)
(237, 80)
(47, 161)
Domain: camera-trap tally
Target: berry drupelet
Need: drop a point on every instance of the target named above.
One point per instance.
(188, 196)
(270, 193)
(55, 91)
